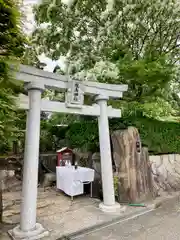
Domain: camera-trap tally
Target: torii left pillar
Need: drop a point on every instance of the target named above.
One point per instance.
(28, 228)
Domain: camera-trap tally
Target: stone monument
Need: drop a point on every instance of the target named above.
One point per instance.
(132, 166)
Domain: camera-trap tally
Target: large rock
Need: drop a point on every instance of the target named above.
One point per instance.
(132, 166)
(96, 165)
(49, 179)
(81, 157)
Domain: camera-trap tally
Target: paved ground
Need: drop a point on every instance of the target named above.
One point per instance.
(61, 217)
(58, 214)
(160, 224)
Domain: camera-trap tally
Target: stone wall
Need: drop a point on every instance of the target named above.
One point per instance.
(165, 173)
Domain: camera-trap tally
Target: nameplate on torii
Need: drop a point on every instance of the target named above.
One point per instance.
(74, 97)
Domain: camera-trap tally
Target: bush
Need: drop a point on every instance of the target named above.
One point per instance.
(160, 137)
(12, 47)
(84, 134)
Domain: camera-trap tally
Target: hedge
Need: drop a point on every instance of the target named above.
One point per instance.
(160, 137)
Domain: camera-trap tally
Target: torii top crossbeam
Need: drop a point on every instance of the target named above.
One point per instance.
(56, 81)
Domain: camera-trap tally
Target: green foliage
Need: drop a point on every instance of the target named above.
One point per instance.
(159, 136)
(53, 131)
(157, 108)
(7, 116)
(47, 142)
(131, 42)
(89, 29)
(11, 49)
(116, 182)
(11, 37)
(145, 77)
(83, 134)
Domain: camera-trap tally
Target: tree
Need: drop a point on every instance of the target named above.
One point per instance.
(119, 42)
(87, 31)
(11, 49)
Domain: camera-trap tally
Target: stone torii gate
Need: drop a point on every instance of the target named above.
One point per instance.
(35, 82)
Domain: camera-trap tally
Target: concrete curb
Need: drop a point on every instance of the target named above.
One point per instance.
(159, 202)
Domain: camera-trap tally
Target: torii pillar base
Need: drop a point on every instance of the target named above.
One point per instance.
(112, 208)
(38, 233)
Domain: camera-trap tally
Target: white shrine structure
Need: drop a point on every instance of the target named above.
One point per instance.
(35, 82)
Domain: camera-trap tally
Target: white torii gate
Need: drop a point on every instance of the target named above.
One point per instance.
(36, 81)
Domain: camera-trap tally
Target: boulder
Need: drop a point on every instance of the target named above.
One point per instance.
(97, 184)
(96, 165)
(132, 166)
(49, 179)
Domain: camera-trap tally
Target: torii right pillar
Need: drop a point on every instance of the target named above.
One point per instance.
(109, 204)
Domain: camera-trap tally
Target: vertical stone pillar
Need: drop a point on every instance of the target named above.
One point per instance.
(28, 227)
(108, 204)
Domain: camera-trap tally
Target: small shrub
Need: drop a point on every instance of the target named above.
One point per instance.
(116, 182)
